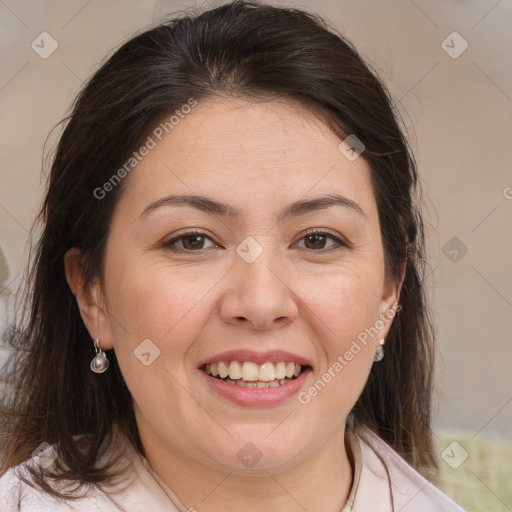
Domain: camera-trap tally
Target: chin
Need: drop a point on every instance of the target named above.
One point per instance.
(259, 453)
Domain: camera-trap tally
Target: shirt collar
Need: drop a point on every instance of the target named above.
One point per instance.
(354, 453)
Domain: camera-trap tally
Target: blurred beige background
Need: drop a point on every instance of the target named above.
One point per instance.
(456, 103)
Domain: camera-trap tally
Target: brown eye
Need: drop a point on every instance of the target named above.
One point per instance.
(316, 241)
(188, 242)
(193, 242)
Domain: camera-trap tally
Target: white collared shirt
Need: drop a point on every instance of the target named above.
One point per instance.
(383, 482)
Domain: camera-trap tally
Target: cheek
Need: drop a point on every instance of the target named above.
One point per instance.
(348, 306)
(156, 314)
(149, 301)
(347, 301)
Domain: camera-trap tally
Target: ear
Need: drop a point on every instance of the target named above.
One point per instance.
(90, 299)
(389, 303)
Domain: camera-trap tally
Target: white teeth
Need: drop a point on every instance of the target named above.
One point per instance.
(280, 369)
(249, 374)
(267, 372)
(250, 371)
(223, 370)
(235, 370)
(241, 383)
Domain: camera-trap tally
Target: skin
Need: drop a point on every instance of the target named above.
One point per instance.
(311, 300)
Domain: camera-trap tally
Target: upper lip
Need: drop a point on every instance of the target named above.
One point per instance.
(269, 356)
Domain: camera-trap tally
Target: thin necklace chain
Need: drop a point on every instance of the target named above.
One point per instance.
(182, 508)
(172, 496)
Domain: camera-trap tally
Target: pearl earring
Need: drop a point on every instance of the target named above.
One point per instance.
(99, 363)
(379, 356)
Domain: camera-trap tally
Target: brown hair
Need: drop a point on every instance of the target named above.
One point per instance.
(245, 49)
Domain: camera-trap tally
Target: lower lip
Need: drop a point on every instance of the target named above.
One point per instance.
(256, 397)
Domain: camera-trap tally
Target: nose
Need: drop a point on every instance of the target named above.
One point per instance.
(259, 295)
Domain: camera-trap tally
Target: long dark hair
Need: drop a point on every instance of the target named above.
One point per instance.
(248, 50)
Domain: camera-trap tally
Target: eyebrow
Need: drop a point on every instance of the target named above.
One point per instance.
(212, 207)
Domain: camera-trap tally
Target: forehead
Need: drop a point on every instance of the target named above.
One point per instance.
(245, 152)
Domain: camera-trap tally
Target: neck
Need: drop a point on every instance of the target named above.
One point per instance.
(321, 481)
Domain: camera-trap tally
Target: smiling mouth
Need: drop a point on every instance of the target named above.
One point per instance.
(252, 375)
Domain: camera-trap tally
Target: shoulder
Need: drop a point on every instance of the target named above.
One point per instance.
(19, 494)
(133, 491)
(396, 480)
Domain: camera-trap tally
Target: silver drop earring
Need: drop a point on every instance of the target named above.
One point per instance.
(99, 363)
(379, 356)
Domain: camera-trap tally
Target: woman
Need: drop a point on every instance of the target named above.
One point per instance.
(227, 307)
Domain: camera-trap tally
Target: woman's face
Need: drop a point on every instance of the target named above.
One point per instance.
(249, 289)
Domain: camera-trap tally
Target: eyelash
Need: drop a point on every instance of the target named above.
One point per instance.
(330, 234)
